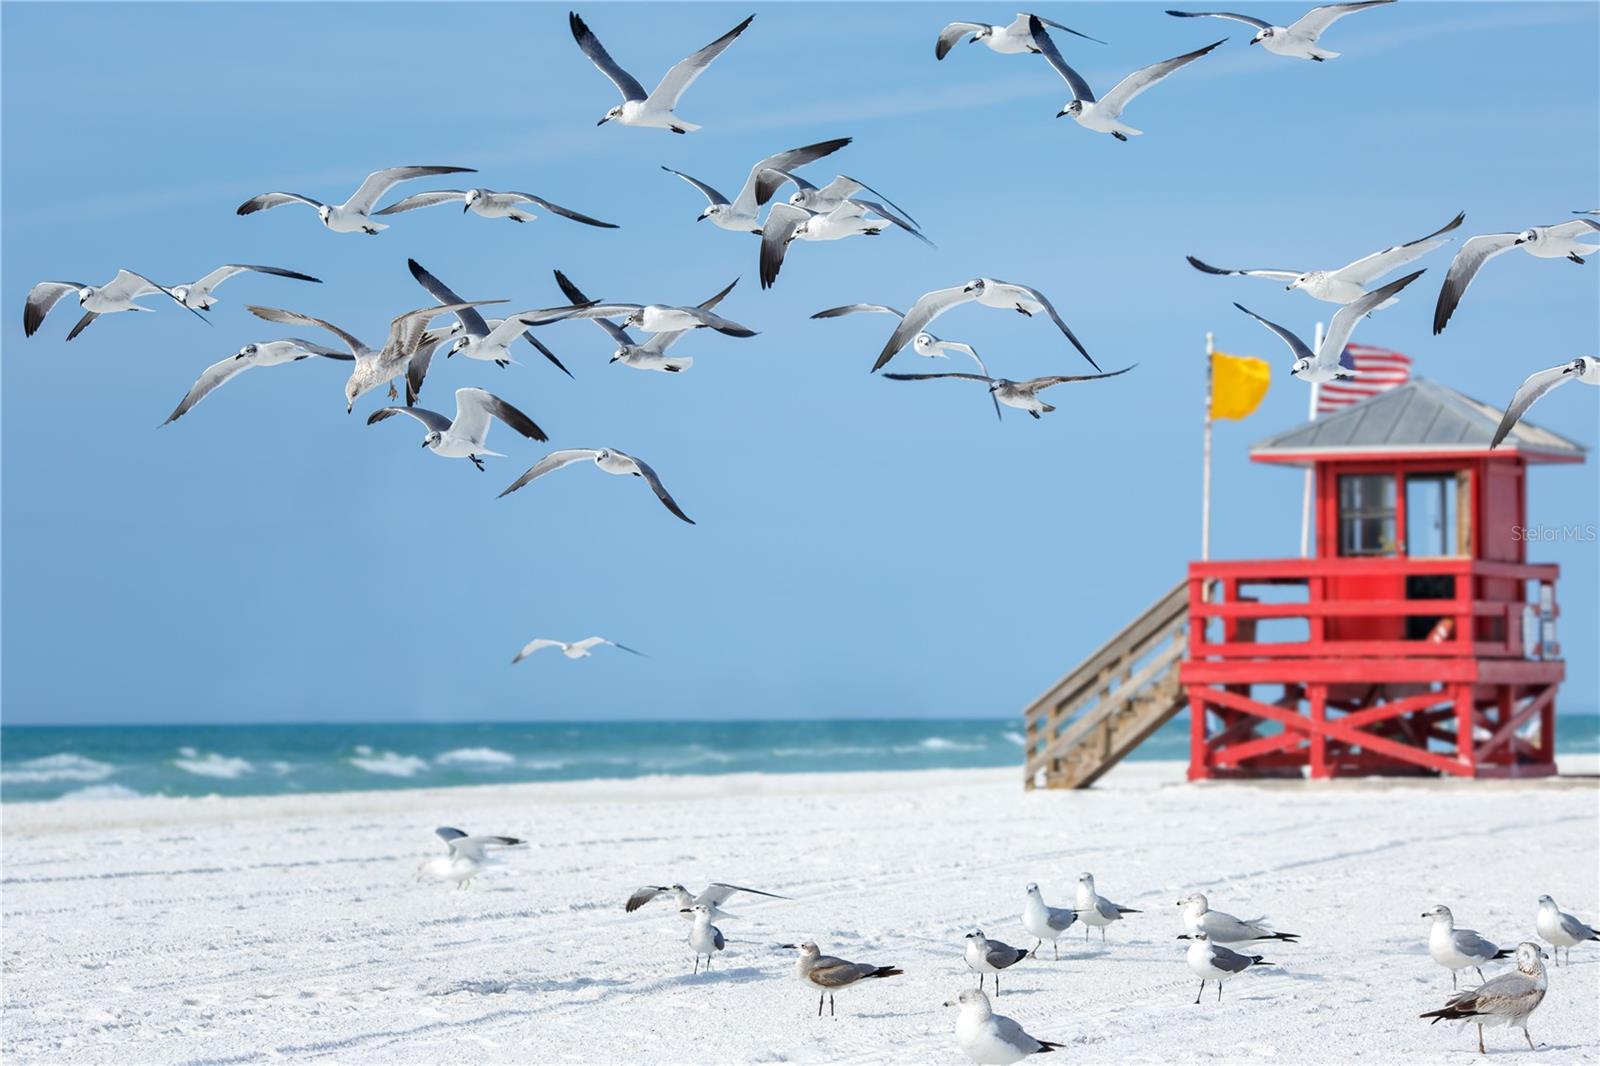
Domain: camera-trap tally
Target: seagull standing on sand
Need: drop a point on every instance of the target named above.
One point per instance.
(578, 649)
(467, 858)
(985, 956)
(475, 338)
(1105, 114)
(651, 355)
(355, 214)
(705, 938)
(116, 295)
(1456, 949)
(1008, 40)
(486, 203)
(1213, 962)
(1023, 395)
(1044, 921)
(196, 295)
(829, 975)
(987, 291)
(991, 1039)
(268, 353)
(1560, 929)
(1349, 282)
(1222, 928)
(1507, 1000)
(1095, 910)
(1585, 368)
(1330, 361)
(655, 109)
(1560, 241)
(739, 214)
(463, 436)
(716, 894)
(1298, 40)
(608, 459)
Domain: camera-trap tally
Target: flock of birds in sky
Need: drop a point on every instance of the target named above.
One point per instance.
(1507, 999)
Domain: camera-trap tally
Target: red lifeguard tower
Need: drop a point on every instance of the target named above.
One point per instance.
(1416, 639)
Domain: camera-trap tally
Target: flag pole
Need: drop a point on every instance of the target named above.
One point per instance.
(1205, 475)
(1305, 498)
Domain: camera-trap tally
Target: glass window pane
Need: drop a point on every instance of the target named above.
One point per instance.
(1366, 514)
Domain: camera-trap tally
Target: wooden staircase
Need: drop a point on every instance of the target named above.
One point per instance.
(1127, 689)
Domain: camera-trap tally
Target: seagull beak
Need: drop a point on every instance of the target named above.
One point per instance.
(791, 947)
(1063, 111)
(349, 407)
(949, 1003)
(603, 121)
(465, 208)
(685, 910)
(424, 443)
(1252, 40)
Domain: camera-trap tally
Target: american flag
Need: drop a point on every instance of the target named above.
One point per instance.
(1377, 370)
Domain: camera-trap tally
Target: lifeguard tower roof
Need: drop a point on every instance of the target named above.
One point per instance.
(1420, 418)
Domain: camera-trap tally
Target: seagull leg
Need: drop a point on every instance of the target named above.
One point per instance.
(1480, 972)
(1576, 258)
(1480, 1041)
(1102, 928)
(1198, 994)
(831, 1011)
(1452, 980)
(1037, 944)
(1529, 1039)
(393, 395)
(820, 997)
(476, 461)
(996, 986)
(1056, 947)
(697, 962)
(1219, 991)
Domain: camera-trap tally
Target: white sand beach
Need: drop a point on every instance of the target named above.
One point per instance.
(245, 930)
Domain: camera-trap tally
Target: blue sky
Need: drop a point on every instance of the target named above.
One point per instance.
(864, 547)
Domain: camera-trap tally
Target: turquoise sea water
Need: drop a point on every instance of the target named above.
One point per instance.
(50, 763)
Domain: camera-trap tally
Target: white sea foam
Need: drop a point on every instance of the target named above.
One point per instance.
(1015, 737)
(939, 744)
(475, 757)
(226, 767)
(388, 763)
(99, 792)
(826, 750)
(62, 767)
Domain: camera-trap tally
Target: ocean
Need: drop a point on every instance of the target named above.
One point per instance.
(99, 762)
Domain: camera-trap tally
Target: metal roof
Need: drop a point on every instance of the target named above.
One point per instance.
(1419, 416)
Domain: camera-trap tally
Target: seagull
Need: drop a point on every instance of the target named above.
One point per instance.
(1213, 962)
(462, 437)
(716, 894)
(1507, 1000)
(1009, 40)
(1585, 368)
(1105, 114)
(1562, 930)
(739, 214)
(1298, 40)
(992, 1039)
(1045, 922)
(786, 224)
(652, 355)
(985, 956)
(822, 200)
(488, 203)
(608, 459)
(986, 291)
(118, 294)
(1456, 949)
(1560, 241)
(664, 318)
(467, 856)
(476, 338)
(408, 336)
(1198, 917)
(828, 974)
(1023, 395)
(355, 213)
(197, 294)
(1095, 909)
(267, 353)
(578, 649)
(1330, 361)
(1349, 282)
(705, 938)
(656, 109)
(924, 343)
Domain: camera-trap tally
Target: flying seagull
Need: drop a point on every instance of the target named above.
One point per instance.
(578, 649)
(1213, 962)
(1561, 929)
(1105, 114)
(197, 294)
(739, 214)
(475, 338)
(1094, 909)
(608, 459)
(1560, 241)
(924, 343)
(118, 294)
(1330, 361)
(467, 856)
(1298, 40)
(1349, 282)
(806, 195)
(656, 109)
(487, 203)
(986, 291)
(1222, 928)
(1023, 395)
(990, 1038)
(716, 894)
(1045, 922)
(786, 224)
(651, 355)
(268, 353)
(355, 214)
(1456, 949)
(985, 956)
(1506, 1000)
(664, 318)
(1585, 368)
(704, 937)
(1009, 40)
(829, 975)
(463, 436)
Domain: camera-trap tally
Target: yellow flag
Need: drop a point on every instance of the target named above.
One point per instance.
(1238, 382)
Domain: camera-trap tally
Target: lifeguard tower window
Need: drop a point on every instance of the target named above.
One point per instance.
(1366, 514)
(1433, 518)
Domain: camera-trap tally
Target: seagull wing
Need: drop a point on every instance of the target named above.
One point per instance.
(575, 294)
(1125, 90)
(1246, 19)
(1313, 22)
(931, 377)
(626, 83)
(1370, 268)
(1345, 319)
(951, 36)
(1013, 1035)
(929, 306)
(1069, 29)
(856, 309)
(432, 419)
(1050, 309)
(1047, 47)
(425, 199)
(1297, 347)
(218, 373)
(275, 199)
(711, 302)
(683, 74)
(718, 893)
(848, 186)
(41, 298)
(749, 198)
(223, 273)
(1570, 923)
(1260, 272)
(539, 645)
(474, 408)
(474, 847)
(417, 367)
(564, 212)
(882, 211)
(1035, 384)
(295, 318)
(130, 286)
(707, 191)
(471, 321)
(1229, 961)
(1472, 944)
(1536, 385)
(654, 481)
(447, 834)
(1578, 227)
(365, 198)
(643, 895)
(409, 331)
(1463, 268)
(782, 222)
(771, 180)
(554, 461)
